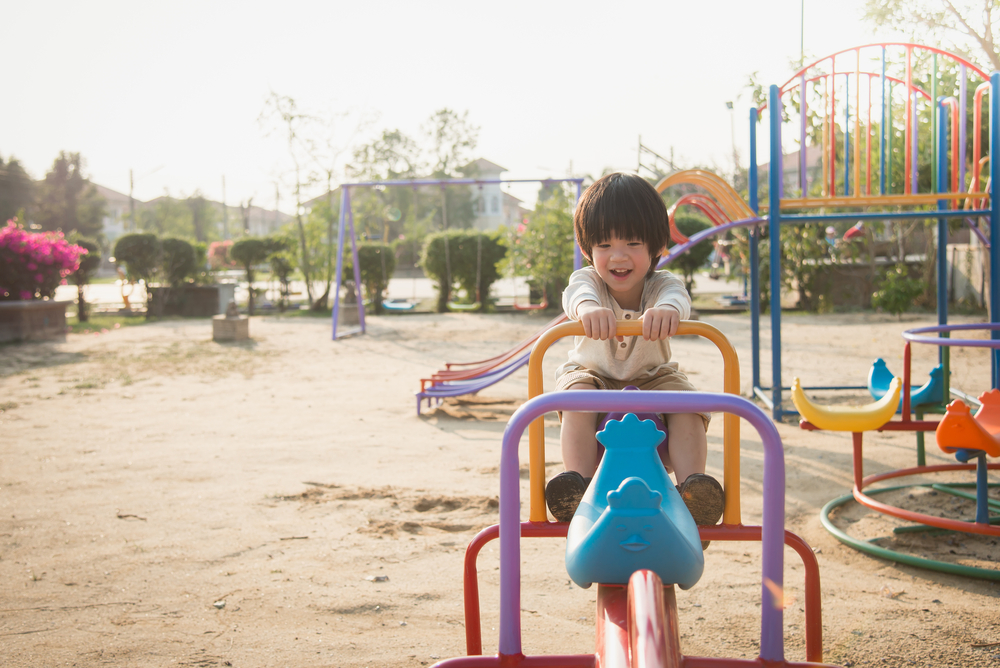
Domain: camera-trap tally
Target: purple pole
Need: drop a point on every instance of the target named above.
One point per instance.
(577, 256)
(357, 272)
(345, 204)
(772, 531)
(913, 153)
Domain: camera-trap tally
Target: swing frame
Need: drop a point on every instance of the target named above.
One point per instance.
(347, 221)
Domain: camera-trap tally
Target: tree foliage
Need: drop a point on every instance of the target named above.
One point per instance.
(694, 259)
(89, 264)
(67, 200)
(178, 261)
(969, 28)
(17, 190)
(458, 257)
(140, 253)
(377, 262)
(897, 291)
(253, 251)
(542, 250)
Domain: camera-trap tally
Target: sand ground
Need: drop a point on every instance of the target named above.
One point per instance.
(168, 500)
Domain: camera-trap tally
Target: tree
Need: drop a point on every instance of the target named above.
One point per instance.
(253, 251)
(964, 27)
(377, 262)
(453, 140)
(691, 261)
(283, 110)
(140, 253)
(67, 201)
(204, 217)
(178, 261)
(543, 249)
(17, 191)
(468, 256)
(81, 277)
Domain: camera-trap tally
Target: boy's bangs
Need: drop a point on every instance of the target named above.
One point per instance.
(624, 218)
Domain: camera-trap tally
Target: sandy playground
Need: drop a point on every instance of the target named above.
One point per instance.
(167, 500)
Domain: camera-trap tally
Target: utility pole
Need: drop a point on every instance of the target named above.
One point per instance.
(225, 212)
(131, 201)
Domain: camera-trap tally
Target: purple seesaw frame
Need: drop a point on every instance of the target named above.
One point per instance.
(772, 525)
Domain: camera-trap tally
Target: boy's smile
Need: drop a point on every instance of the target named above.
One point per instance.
(623, 264)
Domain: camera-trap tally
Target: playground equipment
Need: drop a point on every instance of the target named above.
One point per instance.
(347, 221)
(727, 209)
(931, 392)
(868, 192)
(637, 622)
(960, 433)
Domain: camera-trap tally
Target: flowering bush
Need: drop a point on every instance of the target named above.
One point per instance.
(33, 265)
(218, 255)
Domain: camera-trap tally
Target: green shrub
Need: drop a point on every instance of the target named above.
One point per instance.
(897, 291)
(178, 261)
(140, 253)
(250, 251)
(378, 263)
(470, 253)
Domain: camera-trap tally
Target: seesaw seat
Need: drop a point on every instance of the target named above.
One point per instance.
(960, 430)
(625, 523)
(848, 418)
(931, 392)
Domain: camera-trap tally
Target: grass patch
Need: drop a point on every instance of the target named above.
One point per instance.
(7, 406)
(100, 321)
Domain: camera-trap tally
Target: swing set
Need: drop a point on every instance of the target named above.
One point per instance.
(346, 224)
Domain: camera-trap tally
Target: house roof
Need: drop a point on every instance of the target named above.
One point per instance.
(485, 166)
(109, 194)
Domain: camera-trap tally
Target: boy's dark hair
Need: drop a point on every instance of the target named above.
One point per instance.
(623, 205)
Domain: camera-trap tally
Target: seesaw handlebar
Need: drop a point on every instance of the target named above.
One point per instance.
(731, 423)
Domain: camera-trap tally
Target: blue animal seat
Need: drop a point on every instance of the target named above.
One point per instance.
(632, 516)
(931, 392)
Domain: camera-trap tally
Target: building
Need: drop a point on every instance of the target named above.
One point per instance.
(116, 213)
(493, 207)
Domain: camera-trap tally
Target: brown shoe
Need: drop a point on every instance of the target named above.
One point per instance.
(705, 500)
(564, 493)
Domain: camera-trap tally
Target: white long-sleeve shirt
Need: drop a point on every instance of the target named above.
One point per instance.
(634, 358)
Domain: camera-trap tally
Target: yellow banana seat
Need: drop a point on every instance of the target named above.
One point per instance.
(848, 418)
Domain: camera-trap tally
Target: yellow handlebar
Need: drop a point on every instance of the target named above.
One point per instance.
(731, 423)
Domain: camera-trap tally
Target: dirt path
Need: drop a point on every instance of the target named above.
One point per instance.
(166, 500)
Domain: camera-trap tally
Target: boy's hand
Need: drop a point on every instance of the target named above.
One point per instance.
(660, 323)
(598, 322)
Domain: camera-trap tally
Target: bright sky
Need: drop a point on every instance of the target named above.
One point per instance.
(173, 90)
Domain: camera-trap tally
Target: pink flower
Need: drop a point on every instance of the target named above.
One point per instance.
(26, 295)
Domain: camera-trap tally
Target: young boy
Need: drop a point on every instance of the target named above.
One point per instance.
(622, 228)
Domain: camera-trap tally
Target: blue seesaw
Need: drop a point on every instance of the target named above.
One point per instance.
(931, 392)
(626, 523)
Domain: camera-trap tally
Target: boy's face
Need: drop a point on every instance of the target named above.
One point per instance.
(622, 264)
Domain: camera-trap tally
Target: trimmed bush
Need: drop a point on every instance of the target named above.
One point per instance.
(465, 260)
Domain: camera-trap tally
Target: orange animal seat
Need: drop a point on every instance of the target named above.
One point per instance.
(959, 429)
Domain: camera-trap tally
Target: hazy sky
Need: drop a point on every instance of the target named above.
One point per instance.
(173, 90)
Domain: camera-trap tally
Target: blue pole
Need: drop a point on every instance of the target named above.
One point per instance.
(774, 213)
(995, 218)
(847, 134)
(345, 203)
(881, 139)
(754, 257)
(942, 223)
